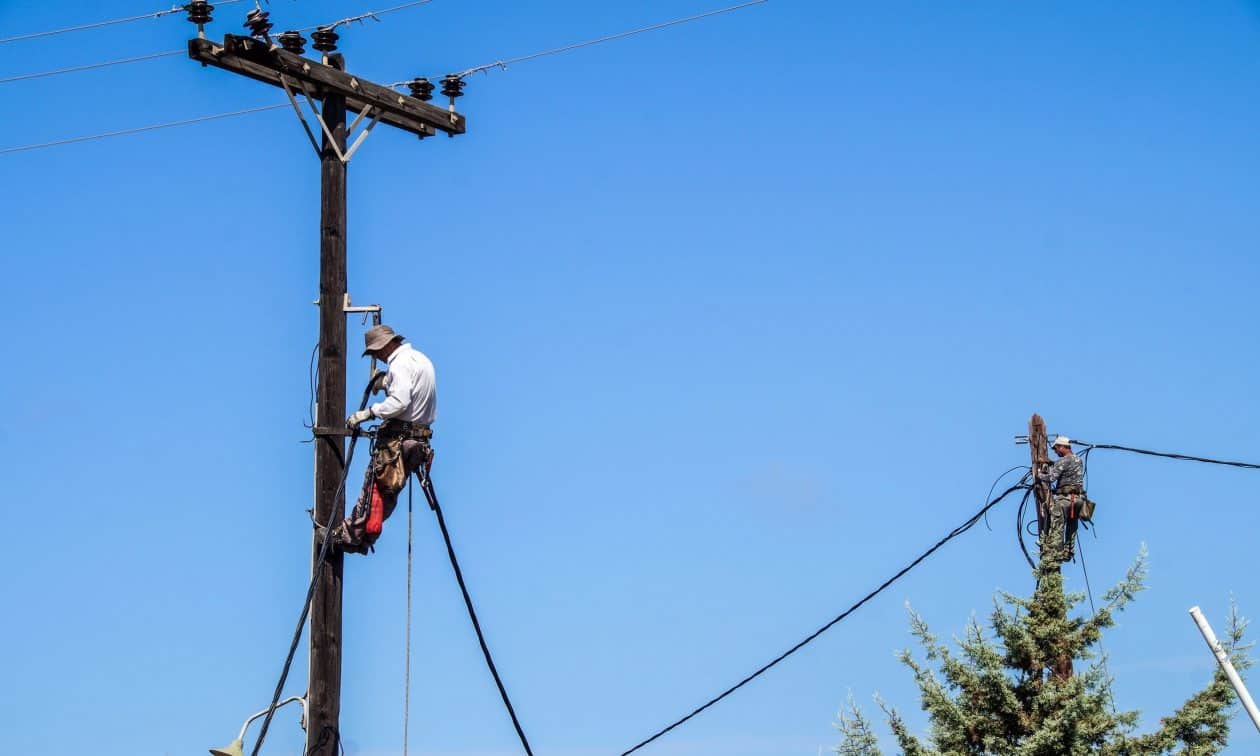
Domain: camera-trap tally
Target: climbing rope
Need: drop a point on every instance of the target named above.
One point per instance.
(407, 662)
(1089, 591)
(426, 485)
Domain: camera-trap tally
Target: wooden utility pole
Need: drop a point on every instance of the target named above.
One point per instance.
(1041, 490)
(324, 686)
(1061, 665)
(325, 81)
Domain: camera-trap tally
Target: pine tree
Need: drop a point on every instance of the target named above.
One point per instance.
(1018, 693)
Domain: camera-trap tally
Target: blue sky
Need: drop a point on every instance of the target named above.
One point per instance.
(730, 320)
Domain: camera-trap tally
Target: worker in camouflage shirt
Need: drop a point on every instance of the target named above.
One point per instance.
(1067, 476)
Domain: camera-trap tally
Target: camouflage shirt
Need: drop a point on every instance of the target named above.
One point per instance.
(1067, 472)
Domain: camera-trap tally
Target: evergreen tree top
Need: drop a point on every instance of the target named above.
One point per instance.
(1018, 692)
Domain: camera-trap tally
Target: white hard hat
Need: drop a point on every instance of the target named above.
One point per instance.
(1062, 441)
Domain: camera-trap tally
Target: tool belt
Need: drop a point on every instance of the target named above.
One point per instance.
(1080, 506)
(388, 466)
(404, 429)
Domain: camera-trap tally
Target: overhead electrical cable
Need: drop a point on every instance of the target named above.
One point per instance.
(141, 129)
(365, 16)
(374, 15)
(504, 63)
(426, 485)
(91, 66)
(110, 22)
(963, 528)
(317, 574)
(1168, 455)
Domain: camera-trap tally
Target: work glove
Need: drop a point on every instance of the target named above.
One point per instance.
(378, 381)
(358, 418)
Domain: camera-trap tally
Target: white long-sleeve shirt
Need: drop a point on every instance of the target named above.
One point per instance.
(410, 387)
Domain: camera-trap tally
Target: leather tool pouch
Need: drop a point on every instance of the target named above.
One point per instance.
(1087, 509)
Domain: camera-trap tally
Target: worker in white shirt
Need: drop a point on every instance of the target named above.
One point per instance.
(402, 440)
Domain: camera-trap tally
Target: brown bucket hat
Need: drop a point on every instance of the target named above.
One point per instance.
(378, 337)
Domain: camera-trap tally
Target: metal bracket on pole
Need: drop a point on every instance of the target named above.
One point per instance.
(362, 134)
(344, 157)
(1226, 665)
(372, 311)
(305, 126)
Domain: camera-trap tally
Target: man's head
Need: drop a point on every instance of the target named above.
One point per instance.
(380, 341)
(1062, 446)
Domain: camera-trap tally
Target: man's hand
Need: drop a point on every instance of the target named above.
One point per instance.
(378, 381)
(362, 416)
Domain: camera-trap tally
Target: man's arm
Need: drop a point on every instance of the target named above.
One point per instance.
(398, 396)
(1052, 474)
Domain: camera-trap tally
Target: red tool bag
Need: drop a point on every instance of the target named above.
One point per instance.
(376, 512)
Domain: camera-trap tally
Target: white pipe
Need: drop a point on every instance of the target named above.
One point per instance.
(288, 700)
(1226, 665)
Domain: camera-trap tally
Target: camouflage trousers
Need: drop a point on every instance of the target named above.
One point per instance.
(1059, 540)
(394, 460)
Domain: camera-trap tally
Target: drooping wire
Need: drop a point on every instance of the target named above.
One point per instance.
(426, 485)
(1020, 528)
(111, 22)
(312, 380)
(993, 488)
(316, 575)
(141, 129)
(963, 528)
(1168, 455)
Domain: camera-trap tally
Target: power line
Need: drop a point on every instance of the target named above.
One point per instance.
(499, 64)
(111, 22)
(503, 64)
(90, 66)
(374, 15)
(963, 528)
(1169, 455)
(140, 129)
(364, 16)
